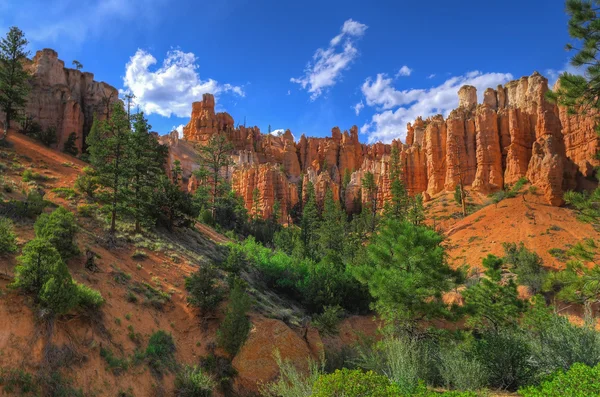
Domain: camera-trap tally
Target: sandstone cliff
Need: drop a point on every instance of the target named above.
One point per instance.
(514, 133)
(65, 99)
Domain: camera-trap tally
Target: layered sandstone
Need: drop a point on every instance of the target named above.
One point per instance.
(514, 133)
(65, 99)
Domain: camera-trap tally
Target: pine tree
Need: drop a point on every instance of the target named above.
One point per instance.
(77, 65)
(256, 212)
(276, 215)
(147, 159)
(13, 77)
(214, 156)
(407, 273)
(70, 146)
(398, 206)
(343, 189)
(331, 228)
(368, 183)
(309, 223)
(174, 203)
(416, 213)
(109, 145)
(235, 326)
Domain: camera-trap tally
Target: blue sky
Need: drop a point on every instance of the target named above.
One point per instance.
(306, 66)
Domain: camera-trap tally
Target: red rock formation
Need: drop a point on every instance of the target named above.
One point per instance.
(514, 133)
(65, 99)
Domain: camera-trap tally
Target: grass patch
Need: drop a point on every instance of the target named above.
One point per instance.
(152, 296)
(65, 193)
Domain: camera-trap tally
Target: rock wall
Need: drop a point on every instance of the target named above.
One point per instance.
(514, 133)
(64, 99)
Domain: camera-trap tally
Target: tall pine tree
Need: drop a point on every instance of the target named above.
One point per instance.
(109, 145)
(331, 229)
(309, 223)
(13, 77)
(214, 156)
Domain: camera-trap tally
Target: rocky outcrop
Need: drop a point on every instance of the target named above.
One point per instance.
(514, 133)
(64, 99)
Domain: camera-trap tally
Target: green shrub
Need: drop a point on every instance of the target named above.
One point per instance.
(87, 182)
(70, 146)
(29, 175)
(8, 237)
(291, 381)
(235, 326)
(14, 380)
(139, 254)
(59, 229)
(527, 265)
(506, 356)
(153, 296)
(557, 344)
(47, 136)
(579, 381)
(33, 205)
(327, 322)
(192, 382)
(65, 192)
(116, 364)
(160, 352)
(203, 289)
(42, 273)
(354, 383)
(460, 369)
(88, 298)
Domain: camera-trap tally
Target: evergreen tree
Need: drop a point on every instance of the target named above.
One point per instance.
(59, 229)
(309, 223)
(147, 159)
(407, 273)
(174, 203)
(345, 182)
(398, 207)
(331, 228)
(70, 146)
(256, 212)
(214, 156)
(42, 273)
(13, 77)
(370, 187)
(276, 215)
(494, 301)
(77, 65)
(416, 213)
(235, 326)
(109, 145)
(8, 238)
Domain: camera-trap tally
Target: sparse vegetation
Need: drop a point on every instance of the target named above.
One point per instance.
(235, 326)
(8, 237)
(193, 382)
(160, 353)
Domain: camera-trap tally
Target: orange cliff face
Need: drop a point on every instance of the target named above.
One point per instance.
(64, 99)
(514, 133)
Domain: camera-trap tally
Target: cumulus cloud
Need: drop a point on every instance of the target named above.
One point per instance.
(327, 65)
(171, 88)
(404, 71)
(358, 107)
(397, 108)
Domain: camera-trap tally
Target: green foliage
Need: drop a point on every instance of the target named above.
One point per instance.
(160, 352)
(152, 296)
(174, 204)
(87, 182)
(506, 354)
(33, 205)
(527, 265)
(292, 382)
(70, 146)
(59, 229)
(42, 273)
(193, 382)
(586, 205)
(309, 224)
(580, 380)
(331, 228)
(327, 322)
(407, 272)
(354, 383)
(203, 289)
(29, 175)
(8, 238)
(235, 326)
(509, 193)
(493, 301)
(214, 156)
(65, 192)
(14, 86)
(47, 136)
(116, 364)
(416, 213)
(460, 368)
(88, 298)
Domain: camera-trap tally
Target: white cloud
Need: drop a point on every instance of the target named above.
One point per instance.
(179, 129)
(431, 76)
(328, 64)
(553, 74)
(404, 71)
(289, 92)
(398, 108)
(170, 89)
(358, 107)
(278, 132)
